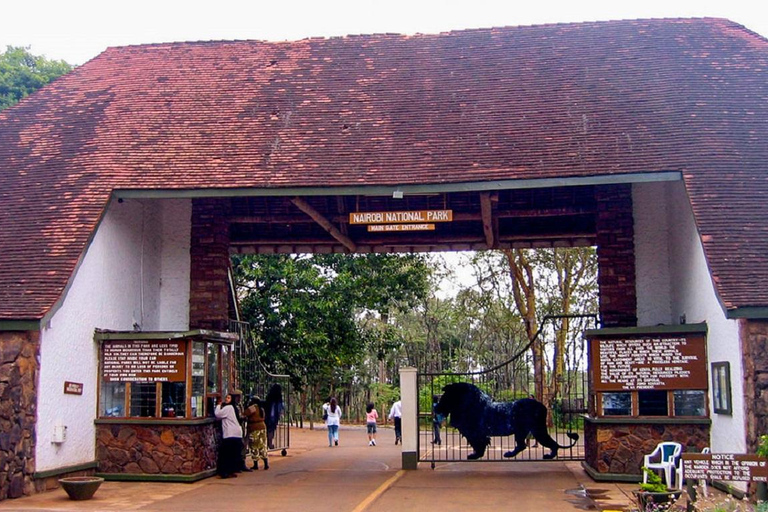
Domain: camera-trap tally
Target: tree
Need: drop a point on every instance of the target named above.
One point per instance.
(318, 317)
(22, 73)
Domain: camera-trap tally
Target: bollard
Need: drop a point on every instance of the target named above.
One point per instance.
(690, 488)
(761, 492)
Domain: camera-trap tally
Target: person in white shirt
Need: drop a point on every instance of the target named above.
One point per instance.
(230, 452)
(332, 421)
(395, 414)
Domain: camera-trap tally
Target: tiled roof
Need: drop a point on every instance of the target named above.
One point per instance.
(477, 105)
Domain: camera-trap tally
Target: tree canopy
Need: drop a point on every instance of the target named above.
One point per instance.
(22, 73)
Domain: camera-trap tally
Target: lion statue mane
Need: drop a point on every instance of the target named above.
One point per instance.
(477, 417)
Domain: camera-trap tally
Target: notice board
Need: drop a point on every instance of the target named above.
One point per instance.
(143, 361)
(665, 360)
(725, 466)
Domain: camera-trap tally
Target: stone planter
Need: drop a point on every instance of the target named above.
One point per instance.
(81, 487)
(653, 501)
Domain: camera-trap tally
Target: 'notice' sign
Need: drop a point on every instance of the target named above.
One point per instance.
(725, 466)
(405, 217)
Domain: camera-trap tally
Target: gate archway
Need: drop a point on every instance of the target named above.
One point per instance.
(565, 394)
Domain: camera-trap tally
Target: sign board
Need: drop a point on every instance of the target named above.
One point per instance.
(400, 227)
(725, 466)
(402, 217)
(73, 388)
(143, 361)
(664, 361)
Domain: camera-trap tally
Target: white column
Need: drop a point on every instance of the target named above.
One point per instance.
(409, 394)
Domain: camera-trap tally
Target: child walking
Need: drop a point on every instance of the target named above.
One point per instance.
(370, 421)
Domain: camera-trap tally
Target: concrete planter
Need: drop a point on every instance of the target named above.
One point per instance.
(81, 487)
(648, 500)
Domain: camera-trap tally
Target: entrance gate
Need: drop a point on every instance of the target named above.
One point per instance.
(255, 380)
(562, 388)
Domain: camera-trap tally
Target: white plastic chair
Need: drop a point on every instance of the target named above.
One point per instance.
(668, 454)
(680, 478)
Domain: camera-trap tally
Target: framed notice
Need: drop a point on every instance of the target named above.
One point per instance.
(143, 361)
(656, 371)
(721, 387)
(649, 362)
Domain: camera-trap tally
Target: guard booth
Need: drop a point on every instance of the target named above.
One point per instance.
(157, 391)
(647, 385)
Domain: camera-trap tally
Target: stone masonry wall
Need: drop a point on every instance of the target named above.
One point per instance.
(754, 341)
(19, 371)
(616, 256)
(619, 448)
(209, 248)
(145, 449)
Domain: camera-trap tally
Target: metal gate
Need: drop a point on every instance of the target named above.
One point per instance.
(562, 388)
(254, 379)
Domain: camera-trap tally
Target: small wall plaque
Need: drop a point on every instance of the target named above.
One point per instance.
(73, 388)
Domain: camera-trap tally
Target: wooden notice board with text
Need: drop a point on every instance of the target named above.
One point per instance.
(648, 361)
(143, 361)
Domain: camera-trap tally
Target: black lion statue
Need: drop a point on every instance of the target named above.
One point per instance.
(477, 418)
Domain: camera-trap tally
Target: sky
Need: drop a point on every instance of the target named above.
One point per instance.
(78, 30)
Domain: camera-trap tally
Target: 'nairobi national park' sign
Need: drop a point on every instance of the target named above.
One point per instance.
(653, 361)
(403, 217)
(143, 361)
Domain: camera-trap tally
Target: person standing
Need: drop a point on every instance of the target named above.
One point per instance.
(257, 433)
(230, 452)
(395, 414)
(332, 421)
(371, 416)
(437, 421)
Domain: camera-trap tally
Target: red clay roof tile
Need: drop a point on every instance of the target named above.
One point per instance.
(546, 101)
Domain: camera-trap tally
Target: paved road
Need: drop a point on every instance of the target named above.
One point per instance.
(355, 477)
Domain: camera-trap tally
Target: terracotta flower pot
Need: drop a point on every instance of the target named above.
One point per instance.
(81, 487)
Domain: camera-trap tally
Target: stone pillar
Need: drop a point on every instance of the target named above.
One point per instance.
(409, 394)
(616, 256)
(209, 248)
(754, 342)
(19, 370)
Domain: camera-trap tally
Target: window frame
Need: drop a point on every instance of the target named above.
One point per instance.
(722, 401)
(187, 341)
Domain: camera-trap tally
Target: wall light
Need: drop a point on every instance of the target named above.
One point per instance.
(397, 194)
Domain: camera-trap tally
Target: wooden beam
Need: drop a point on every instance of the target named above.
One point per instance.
(325, 223)
(457, 216)
(486, 212)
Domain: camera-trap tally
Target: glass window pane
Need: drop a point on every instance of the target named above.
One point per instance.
(198, 380)
(652, 403)
(690, 403)
(174, 399)
(617, 404)
(213, 368)
(225, 370)
(143, 399)
(112, 399)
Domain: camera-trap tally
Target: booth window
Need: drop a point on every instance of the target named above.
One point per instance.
(653, 402)
(144, 375)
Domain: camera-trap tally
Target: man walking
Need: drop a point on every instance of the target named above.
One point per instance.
(395, 414)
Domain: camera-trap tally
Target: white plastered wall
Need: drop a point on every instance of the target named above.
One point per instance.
(135, 274)
(673, 281)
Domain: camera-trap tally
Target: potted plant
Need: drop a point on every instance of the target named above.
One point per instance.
(655, 495)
